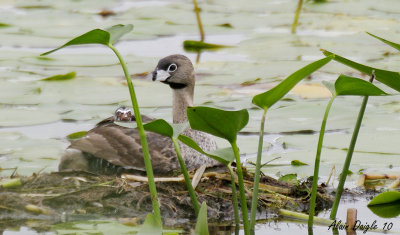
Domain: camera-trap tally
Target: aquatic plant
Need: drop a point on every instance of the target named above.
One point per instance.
(343, 86)
(265, 101)
(109, 37)
(390, 79)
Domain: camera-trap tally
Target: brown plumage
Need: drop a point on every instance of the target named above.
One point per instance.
(119, 146)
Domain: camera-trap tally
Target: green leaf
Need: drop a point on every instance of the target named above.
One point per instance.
(221, 123)
(76, 135)
(290, 178)
(150, 226)
(97, 36)
(190, 45)
(224, 155)
(346, 85)
(267, 99)
(298, 163)
(392, 44)
(117, 31)
(162, 127)
(202, 224)
(385, 197)
(389, 78)
(387, 210)
(61, 77)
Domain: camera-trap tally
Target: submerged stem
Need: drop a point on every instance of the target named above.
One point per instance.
(316, 165)
(257, 173)
(347, 162)
(243, 202)
(234, 196)
(189, 186)
(142, 135)
(296, 16)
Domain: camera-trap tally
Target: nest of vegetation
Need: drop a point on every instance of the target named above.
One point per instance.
(68, 196)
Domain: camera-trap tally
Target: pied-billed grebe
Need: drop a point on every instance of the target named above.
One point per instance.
(120, 147)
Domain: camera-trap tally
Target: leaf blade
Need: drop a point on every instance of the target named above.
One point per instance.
(117, 31)
(385, 197)
(389, 78)
(61, 77)
(392, 44)
(202, 224)
(218, 122)
(346, 85)
(225, 155)
(267, 99)
(95, 36)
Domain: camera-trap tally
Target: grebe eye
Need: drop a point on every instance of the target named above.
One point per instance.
(172, 68)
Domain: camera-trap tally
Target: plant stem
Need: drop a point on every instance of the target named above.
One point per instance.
(347, 162)
(143, 140)
(234, 196)
(243, 202)
(199, 24)
(189, 186)
(316, 165)
(257, 173)
(296, 16)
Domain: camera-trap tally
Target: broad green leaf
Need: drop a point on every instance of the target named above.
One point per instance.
(162, 127)
(392, 44)
(202, 224)
(224, 155)
(267, 99)
(190, 45)
(389, 78)
(61, 77)
(385, 197)
(76, 135)
(298, 163)
(386, 210)
(117, 31)
(221, 123)
(159, 126)
(97, 36)
(150, 226)
(346, 85)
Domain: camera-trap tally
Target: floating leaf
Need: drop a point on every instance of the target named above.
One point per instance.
(267, 99)
(389, 78)
(3, 25)
(385, 197)
(226, 25)
(190, 45)
(150, 226)
(97, 36)
(76, 135)
(224, 155)
(202, 224)
(392, 44)
(221, 123)
(346, 85)
(298, 163)
(61, 77)
(19, 117)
